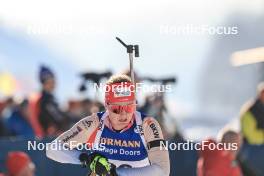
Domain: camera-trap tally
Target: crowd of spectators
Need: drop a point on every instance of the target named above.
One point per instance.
(39, 115)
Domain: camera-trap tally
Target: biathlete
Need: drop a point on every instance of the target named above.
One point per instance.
(128, 142)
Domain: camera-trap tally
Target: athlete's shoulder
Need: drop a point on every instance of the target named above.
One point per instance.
(87, 122)
(81, 131)
(152, 129)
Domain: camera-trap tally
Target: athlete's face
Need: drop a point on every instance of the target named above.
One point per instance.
(120, 115)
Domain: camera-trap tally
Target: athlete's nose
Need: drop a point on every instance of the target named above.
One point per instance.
(123, 115)
(122, 112)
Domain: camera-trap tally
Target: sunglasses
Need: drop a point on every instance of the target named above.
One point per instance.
(117, 109)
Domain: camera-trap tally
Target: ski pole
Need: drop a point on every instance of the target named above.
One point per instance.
(130, 50)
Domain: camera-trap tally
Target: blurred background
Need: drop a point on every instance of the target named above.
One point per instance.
(177, 39)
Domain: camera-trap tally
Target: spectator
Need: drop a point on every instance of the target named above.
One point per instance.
(51, 118)
(252, 129)
(34, 110)
(252, 119)
(220, 162)
(19, 164)
(18, 123)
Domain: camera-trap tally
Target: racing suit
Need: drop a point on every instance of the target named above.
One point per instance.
(136, 150)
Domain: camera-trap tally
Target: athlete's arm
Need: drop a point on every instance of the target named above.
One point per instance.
(158, 155)
(80, 133)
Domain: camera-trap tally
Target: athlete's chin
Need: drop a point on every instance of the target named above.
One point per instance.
(123, 123)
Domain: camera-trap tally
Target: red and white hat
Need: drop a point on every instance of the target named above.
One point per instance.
(16, 161)
(120, 92)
